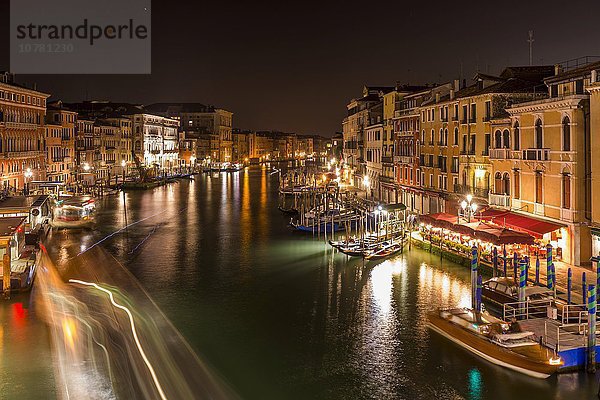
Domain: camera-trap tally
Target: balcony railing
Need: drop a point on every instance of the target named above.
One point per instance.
(22, 154)
(501, 200)
(404, 159)
(500, 154)
(387, 160)
(538, 208)
(567, 214)
(478, 192)
(536, 154)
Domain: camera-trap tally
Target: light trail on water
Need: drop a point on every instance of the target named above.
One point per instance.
(133, 331)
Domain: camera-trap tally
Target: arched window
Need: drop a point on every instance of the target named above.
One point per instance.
(441, 137)
(516, 136)
(506, 184)
(432, 137)
(455, 137)
(497, 140)
(498, 183)
(539, 140)
(566, 190)
(446, 137)
(506, 139)
(566, 134)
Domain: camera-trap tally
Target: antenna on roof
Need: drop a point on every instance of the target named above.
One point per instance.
(530, 41)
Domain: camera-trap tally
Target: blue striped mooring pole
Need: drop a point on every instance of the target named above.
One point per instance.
(515, 266)
(474, 277)
(522, 285)
(569, 285)
(591, 294)
(537, 270)
(527, 268)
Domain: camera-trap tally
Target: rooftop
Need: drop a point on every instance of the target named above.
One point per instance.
(9, 225)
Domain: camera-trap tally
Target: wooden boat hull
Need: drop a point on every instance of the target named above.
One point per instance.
(489, 351)
(290, 211)
(384, 254)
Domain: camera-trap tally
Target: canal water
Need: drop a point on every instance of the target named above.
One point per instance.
(278, 314)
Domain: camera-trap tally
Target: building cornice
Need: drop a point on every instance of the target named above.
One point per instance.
(555, 103)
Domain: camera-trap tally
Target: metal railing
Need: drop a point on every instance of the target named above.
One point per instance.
(558, 335)
(574, 314)
(526, 309)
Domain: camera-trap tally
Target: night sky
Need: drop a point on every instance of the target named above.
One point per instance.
(292, 66)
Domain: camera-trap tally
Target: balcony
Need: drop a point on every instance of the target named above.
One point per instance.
(21, 125)
(567, 214)
(538, 209)
(403, 159)
(477, 192)
(23, 154)
(500, 200)
(387, 160)
(500, 154)
(536, 154)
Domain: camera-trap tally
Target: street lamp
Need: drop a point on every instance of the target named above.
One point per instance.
(469, 208)
(367, 183)
(28, 175)
(123, 165)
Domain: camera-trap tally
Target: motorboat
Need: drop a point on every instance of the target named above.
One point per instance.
(495, 340)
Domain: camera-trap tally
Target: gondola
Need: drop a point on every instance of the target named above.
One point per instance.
(289, 211)
(384, 251)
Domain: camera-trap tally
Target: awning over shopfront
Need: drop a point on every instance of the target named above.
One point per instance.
(523, 223)
(439, 220)
(482, 230)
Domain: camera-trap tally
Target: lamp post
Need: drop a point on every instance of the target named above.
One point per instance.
(192, 161)
(86, 170)
(469, 207)
(123, 166)
(28, 174)
(367, 184)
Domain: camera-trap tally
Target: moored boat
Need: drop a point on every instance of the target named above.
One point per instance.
(495, 340)
(290, 211)
(383, 251)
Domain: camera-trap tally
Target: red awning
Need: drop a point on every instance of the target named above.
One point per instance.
(519, 222)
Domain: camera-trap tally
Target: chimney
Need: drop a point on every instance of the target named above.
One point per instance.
(437, 97)
(451, 94)
(557, 69)
(594, 76)
(456, 84)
